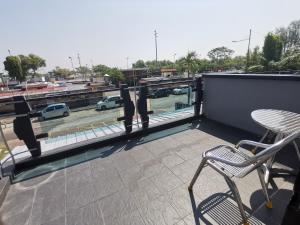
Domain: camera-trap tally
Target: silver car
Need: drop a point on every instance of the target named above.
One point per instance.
(55, 110)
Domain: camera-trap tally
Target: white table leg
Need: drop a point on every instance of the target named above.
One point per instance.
(270, 162)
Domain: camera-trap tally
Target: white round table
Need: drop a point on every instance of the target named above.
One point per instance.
(279, 122)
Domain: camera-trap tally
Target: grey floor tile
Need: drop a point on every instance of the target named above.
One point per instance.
(118, 206)
(166, 181)
(172, 159)
(141, 155)
(152, 167)
(180, 199)
(124, 162)
(184, 171)
(49, 202)
(144, 192)
(57, 221)
(159, 212)
(188, 153)
(88, 215)
(78, 196)
(106, 183)
(16, 208)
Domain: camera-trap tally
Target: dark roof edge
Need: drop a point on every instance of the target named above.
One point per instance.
(253, 76)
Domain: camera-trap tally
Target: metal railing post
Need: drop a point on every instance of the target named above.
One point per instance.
(128, 107)
(142, 107)
(198, 96)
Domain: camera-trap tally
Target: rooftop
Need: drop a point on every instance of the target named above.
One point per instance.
(144, 181)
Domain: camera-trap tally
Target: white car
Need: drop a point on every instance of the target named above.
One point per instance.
(54, 110)
(181, 90)
(109, 102)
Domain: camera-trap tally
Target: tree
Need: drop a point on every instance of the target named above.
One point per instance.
(255, 57)
(115, 74)
(220, 54)
(35, 62)
(283, 33)
(101, 69)
(83, 70)
(189, 63)
(294, 34)
(290, 35)
(272, 49)
(139, 64)
(62, 72)
(291, 62)
(12, 65)
(25, 64)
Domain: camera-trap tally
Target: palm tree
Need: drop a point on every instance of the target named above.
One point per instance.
(189, 63)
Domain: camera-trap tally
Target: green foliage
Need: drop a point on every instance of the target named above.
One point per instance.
(101, 69)
(291, 62)
(256, 57)
(12, 65)
(256, 69)
(83, 70)
(272, 49)
(19, 66)
(35, 62)
(220, 54)
(139, 64)
(62, 72)
(115, 74)
(189, 63)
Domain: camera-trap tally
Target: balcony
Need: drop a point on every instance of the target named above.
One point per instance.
(143, 179)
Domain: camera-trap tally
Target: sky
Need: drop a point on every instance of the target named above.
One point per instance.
(107, 32)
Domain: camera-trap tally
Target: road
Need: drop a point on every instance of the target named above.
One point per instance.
(89, 118)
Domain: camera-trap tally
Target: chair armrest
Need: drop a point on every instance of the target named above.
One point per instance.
(252, 143)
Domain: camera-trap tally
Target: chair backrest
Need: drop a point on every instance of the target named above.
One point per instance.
(267, 153)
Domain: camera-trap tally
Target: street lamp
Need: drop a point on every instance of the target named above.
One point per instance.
(71, 60)
(248, 51)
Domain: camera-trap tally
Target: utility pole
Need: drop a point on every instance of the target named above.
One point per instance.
(9, 52)
(79, 59)
(127, 61)
(248, 52)
(71, 60)
(155, 37)
(79, 62)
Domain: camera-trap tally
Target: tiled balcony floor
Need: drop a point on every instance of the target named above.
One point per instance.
(144, 182)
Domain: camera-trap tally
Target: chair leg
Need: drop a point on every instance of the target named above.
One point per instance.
(264, 188)
(297, 149)
(197, 174)
(261, 140)
(238, 199)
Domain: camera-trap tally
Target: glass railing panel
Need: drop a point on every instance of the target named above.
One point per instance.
(170, 102)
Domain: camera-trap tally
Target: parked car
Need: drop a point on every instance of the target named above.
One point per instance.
(54, 110)
(109, 102)
(181, 90)
(159, 93)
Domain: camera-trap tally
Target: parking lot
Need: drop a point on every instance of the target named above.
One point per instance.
(89, 117)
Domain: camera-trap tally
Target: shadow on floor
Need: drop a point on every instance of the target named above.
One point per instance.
(220, 208)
